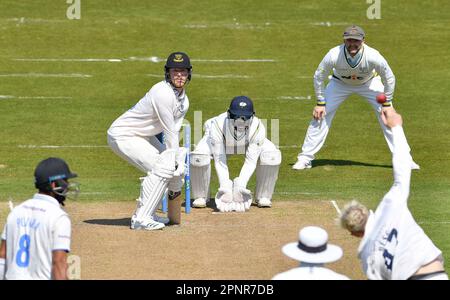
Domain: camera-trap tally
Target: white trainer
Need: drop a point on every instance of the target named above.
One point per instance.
(148, 224)
(301, 164)
(264, 202)
(415, 166)
(200, 202)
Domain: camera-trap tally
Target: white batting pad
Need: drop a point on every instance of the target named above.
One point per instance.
(200, 175)
(154, 185)
(267, 173)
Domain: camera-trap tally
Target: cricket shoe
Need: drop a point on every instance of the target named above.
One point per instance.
(148, 224)
(200, 202)
(301, 164)
(160, 219)
(264, 202)
(415, 166)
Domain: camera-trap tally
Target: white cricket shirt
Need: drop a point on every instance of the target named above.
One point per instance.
(371, 64)
(162, 109)
(33, 230)
(394, 247)
(223, 141)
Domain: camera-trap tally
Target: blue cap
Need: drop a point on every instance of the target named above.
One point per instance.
(241, 106)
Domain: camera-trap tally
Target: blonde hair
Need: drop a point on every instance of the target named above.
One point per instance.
(354, 217)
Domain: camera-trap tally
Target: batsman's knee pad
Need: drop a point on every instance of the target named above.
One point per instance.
(267, 173)
(176, 183)
(200, 173)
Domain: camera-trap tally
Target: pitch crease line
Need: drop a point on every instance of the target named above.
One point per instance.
(336, 207)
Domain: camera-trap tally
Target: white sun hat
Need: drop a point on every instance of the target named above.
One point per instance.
(313, 247)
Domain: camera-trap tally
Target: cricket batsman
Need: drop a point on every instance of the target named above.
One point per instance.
(356, 69)
(37, 234)
(133, 137)
(237, 131)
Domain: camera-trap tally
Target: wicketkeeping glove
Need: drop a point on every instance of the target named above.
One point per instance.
(242, 197)
(224, 198)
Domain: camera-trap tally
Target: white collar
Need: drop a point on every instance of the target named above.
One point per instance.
(355, 58)
(179, 95)
(47, 198)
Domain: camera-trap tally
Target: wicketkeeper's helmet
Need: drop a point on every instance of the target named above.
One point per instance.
(241, 107)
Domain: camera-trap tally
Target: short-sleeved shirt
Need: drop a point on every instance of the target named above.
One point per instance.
(33, 230)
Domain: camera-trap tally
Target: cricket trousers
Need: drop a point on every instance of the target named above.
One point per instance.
(143, 154)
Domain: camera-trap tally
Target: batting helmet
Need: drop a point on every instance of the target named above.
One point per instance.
(53, 170)
(178, 60)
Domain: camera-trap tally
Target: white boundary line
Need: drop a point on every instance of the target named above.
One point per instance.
(234, 60)
(62, 146)
(234, 25)
(153, 59)
(434, 222)
(102, 146)
(295, 193)
(309, 97)
(224, 76)
(31, 20)
(71, 75)
(289, 146)
(329, 24)
(70, 59)
(33, 97)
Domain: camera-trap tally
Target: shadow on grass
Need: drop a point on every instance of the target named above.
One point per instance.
(341, 162)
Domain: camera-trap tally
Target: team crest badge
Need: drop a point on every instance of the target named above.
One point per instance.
(242, 104)
(178, 58)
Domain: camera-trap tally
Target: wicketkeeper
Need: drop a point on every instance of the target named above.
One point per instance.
(237, 131)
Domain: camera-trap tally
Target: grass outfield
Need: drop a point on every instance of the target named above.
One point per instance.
(355, 162)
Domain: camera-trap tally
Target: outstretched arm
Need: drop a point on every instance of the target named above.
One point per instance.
(401, 158)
